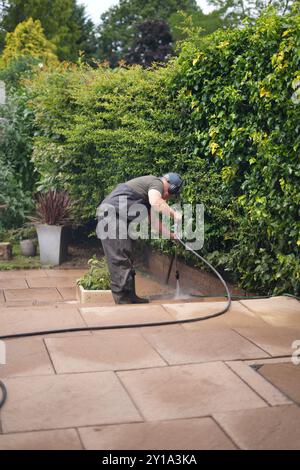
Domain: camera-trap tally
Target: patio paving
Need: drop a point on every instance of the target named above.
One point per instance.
(263, 429)
(65, 401)
(196, 433)
(284, 376)
(275, 341)
(41, 440)
(225, 383)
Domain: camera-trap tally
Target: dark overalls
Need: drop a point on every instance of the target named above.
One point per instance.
(119, 252)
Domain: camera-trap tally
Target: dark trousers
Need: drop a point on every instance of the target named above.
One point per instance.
(119, 257)
(119, 252)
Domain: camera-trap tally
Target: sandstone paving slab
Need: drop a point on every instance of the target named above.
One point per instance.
(75, 273)
(262, 387)
(198, 433)
(272, 428)
(171, 298)
(26, 357)
(13, 283)
(67, 293)
(108, 350)
(123, 314)
(274, 340)
(168, 298)
(276, 311)
(286, 377)
(33, 305)
(237, 316)
(66, 439)
(146, 285)
(55, 281)
(177, 328)
(39, 294)
(22, 273)
(30, 273)
(186, 346)
(277, 304)
(65, 401)
(188, 391)
(24, 303)
(15, 320)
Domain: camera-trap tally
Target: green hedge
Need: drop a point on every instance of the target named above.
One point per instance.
(242, 141)
(225, 114)
(101, 127)
(12, 194)
(16, 132)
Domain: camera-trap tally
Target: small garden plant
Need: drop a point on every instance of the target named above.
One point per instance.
(97, 277)
(26, 232)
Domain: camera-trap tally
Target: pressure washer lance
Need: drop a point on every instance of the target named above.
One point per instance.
(173, 257)
(126, 326)
(178, 294)
(177, 275)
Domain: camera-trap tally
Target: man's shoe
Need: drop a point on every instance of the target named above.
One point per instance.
(122, 298)
(139, 300)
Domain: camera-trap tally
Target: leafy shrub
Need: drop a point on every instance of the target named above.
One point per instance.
(17, 70)
(18, 202)
(17, 175)
(16, 132)
(25, 232)
(97, 277)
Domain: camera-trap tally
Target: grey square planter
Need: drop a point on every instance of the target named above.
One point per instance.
(53, 243)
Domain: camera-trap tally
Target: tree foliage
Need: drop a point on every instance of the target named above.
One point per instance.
(119, 24)
(182, 23)
(28, 40)
(153, 43)
(233, 12)
(64, 22)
